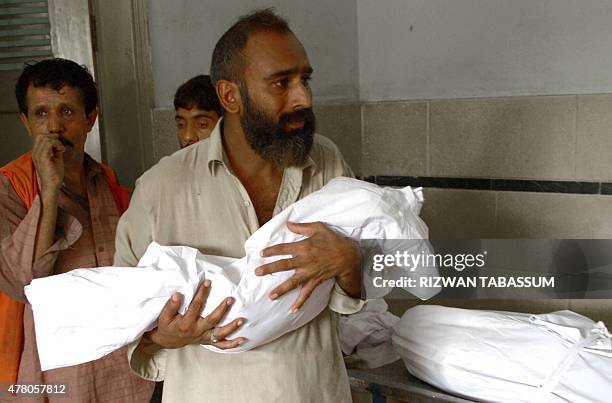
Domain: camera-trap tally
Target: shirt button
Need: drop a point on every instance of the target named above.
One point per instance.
(247, 203)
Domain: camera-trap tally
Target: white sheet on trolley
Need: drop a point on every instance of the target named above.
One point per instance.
(506, 356)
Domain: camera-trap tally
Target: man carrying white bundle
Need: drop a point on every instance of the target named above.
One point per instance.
(118, 306)
(261, 157)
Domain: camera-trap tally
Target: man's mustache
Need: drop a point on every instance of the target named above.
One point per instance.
(303, 114)
(65, 142)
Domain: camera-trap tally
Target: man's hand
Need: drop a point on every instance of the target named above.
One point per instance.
(48, 158)
(175, 330)
(47, 154)
(323, 255)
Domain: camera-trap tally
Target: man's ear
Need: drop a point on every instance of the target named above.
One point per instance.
(229, 96)
(91, 119)
(24, 119)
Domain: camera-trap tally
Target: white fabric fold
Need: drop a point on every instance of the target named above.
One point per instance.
(117, 305)
(367, 334)
(506, 356)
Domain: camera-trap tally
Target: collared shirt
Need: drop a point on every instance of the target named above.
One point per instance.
(85, 233)
(193, 198)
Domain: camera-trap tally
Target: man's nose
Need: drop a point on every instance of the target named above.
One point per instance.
(55, 124)
(190, 136)
(301, 97)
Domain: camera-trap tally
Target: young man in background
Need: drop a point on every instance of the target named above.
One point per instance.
(197, 110)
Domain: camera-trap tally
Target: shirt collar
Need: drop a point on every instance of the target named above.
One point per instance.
(92, 167)
(215, 147)
(216, 154)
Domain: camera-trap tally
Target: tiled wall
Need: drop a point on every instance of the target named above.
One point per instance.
(561, 138)
(558, 138)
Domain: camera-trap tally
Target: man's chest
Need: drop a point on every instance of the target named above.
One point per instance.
(89, 229)
(264, 199)
(218, 216)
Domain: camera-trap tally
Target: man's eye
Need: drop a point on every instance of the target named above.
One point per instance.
(180, 125)
(67, 112)
(280, 83)
(203, 125)
(40, 113)
(306, 81)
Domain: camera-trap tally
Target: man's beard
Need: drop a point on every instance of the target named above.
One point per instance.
(271, 142)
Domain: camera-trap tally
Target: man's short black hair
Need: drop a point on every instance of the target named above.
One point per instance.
(227, 58)
(197, 92)
(57, 73)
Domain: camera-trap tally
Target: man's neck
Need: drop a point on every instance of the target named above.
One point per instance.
(245, 162)
(260, 178)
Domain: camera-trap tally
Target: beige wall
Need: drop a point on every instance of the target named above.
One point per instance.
(327, 29)
(442, 49)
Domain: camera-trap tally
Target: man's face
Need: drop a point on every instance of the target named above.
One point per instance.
(277, 115)
(194, 124)
(59, 112)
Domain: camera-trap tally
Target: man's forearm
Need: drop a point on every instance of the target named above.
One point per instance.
(45, 233)
(147, 345)
(351, 284)
(350, 281)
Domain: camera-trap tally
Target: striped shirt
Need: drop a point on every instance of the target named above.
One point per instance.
(85, 236)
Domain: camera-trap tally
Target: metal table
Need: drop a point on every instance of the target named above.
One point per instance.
(394, 381)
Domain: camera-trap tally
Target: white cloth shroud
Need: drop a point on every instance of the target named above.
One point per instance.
(85, 314)
(368, 334)
(496, 356)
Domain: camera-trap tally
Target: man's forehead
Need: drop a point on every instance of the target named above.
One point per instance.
(43, 91)
(195, 112)
(270, 52)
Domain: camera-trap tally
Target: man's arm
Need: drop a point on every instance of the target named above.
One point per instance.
(47, 154)
(134, 231)
(134, 234)
(28, 248)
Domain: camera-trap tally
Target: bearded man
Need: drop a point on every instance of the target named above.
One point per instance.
(262, 156)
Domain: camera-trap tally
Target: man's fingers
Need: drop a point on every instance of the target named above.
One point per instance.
(171, 308)
(226, 344)
(290, 248)
(306, 229)
(279, 249)
(219, 312)
(47, 152)
(288, 285)
(305, 292)
(275, 267)
(197, 303)
(223, 332)
(47, 145)
(57, 148)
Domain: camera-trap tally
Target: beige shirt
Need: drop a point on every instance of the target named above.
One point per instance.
(193, 198)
